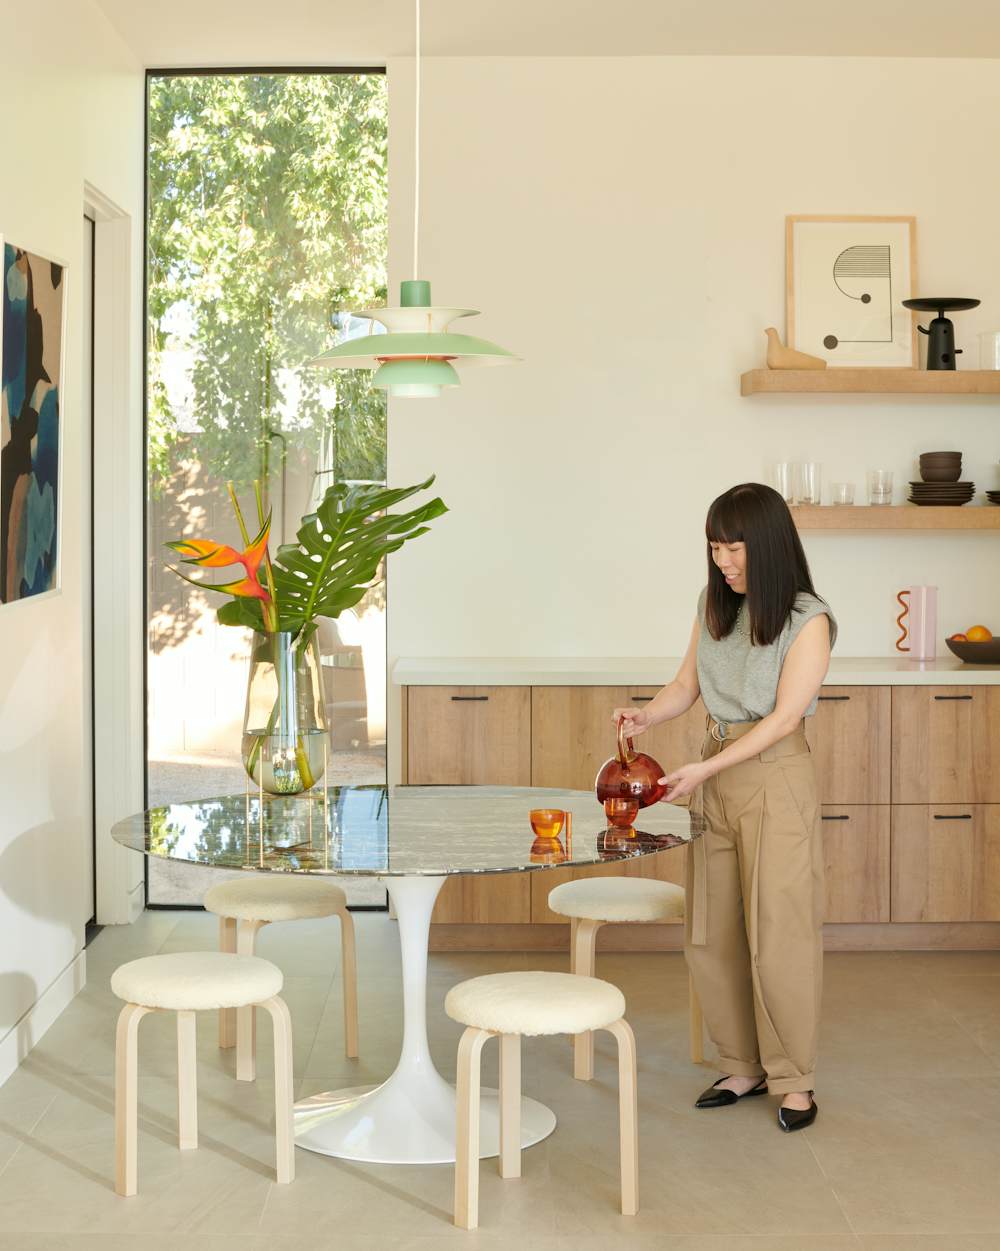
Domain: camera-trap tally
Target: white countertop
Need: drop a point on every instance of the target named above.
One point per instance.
(655, 670)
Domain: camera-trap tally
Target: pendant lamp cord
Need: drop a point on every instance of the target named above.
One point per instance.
(416, 155)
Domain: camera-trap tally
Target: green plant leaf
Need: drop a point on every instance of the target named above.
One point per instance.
(241, 612)
(340, 549)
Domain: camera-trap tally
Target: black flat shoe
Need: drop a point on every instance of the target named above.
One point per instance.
(715, 1097)
(791, 1119)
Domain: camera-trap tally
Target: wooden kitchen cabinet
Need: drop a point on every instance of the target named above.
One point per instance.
(572, 733)
(473, 736)
(946, 862)
(468, 735)
(850, 739)
(945, 744)
(856, 847)
(909, 780)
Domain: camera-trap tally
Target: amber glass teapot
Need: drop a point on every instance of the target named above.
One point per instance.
(630, 773)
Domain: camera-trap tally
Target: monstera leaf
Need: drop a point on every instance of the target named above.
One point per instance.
(336, 557)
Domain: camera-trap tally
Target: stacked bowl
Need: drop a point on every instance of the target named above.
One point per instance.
(940, 473)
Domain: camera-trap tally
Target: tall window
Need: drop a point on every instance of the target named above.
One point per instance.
(267, 219)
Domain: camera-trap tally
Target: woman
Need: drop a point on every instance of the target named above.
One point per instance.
(758, 655)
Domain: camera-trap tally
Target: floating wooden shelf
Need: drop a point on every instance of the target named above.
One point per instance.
(896, 517)
(870, 382)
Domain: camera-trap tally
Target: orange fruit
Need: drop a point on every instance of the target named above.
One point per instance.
(978, 634)
(958, 638)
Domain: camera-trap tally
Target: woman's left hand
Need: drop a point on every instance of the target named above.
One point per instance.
(684, 781)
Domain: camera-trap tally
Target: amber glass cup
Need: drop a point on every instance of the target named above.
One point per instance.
(621, 813)
(547, 824)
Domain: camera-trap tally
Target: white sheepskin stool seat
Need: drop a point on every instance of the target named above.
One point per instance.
(244, 905)
(506, 1006)
(618, 899)
(591, 902)
(189, 982)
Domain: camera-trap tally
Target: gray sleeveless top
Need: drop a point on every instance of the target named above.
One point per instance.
(739, 682)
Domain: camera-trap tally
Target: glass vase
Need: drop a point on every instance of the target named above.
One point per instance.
(284, 726)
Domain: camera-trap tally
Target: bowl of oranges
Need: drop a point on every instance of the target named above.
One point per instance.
(975, 646)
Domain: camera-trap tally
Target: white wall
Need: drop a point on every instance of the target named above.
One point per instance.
(620, 222)
(71, 98)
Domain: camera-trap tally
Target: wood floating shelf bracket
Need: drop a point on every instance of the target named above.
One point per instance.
(870, 382)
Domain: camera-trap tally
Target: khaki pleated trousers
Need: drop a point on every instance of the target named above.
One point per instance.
(753, 930)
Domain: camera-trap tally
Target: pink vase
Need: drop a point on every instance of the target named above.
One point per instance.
(918, 636)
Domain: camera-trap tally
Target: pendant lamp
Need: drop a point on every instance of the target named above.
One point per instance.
(417, 354)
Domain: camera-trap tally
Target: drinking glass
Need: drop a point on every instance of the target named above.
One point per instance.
(547, 822)
(784, 481)
(989, 349)
(809, 487)
(621, 812)
(841, 492)
(879, 486)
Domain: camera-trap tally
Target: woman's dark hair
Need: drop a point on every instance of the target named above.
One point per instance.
(776, 567)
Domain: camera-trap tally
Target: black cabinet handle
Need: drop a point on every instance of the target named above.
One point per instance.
(942, 698)
(834, 698)
(642, 699)
(953, 816)
(469, 699)
(843, 817)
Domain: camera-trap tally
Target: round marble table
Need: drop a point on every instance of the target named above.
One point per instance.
(412, 837)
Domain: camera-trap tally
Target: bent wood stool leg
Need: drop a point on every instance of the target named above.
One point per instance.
(349, 970)
(187, 1081)
(127, 1098)
(284, 1128)
(227, 1016)
(470, 1047)
(584, 959)
(246, 1018)
(572, 944)
(509, 1160)
(627, 1115)
(696, 1025)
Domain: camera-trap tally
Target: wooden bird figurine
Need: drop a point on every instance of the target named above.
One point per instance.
(781, 357)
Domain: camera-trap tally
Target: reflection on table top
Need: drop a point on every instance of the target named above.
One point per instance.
(431, 830)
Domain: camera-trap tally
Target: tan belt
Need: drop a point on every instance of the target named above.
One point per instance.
(719, 734)
(722, 732)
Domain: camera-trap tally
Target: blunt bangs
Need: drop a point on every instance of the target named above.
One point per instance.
(724, 523)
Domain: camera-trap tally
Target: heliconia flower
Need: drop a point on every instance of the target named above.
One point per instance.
(205, 552)
(249, 587)
(208, 554)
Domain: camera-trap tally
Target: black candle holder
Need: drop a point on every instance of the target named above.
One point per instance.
(941, 350)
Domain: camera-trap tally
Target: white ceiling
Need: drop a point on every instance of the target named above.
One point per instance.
(367, 32)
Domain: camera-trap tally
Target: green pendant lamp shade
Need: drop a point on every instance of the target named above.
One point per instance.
(414, 357)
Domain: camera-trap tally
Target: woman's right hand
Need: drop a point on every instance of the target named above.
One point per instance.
(636, 720)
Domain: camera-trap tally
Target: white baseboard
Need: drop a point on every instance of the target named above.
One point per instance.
(19, 1040)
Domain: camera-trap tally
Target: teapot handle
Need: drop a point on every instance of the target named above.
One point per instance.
(624, 753)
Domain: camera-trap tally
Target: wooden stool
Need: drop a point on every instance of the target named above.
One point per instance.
(186, 983)
(507, 1006)
(245, 905)
(591, 902)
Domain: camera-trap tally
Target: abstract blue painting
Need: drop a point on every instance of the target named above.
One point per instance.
(32, 311)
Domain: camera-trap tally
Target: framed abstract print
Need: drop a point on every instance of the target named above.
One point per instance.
(32, 361)
(846, 278)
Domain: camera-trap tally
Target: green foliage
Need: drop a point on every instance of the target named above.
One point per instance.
(338, 555)
(267, 216)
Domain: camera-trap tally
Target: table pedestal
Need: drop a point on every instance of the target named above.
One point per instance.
(410, 1117)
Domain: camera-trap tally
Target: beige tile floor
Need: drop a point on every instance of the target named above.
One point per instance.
(905, 1155)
